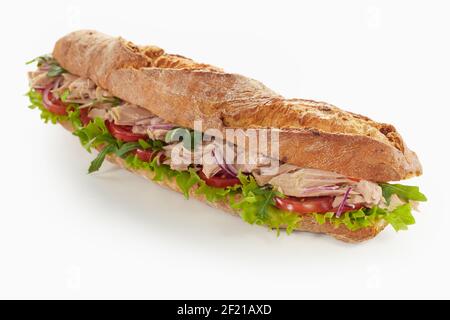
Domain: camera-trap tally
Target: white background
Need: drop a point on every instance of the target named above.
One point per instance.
(66, 234)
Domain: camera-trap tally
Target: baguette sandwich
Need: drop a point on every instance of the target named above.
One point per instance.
(195, 129)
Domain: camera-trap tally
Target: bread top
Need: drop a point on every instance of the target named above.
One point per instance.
(179, 90)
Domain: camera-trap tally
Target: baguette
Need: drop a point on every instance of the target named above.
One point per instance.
(353, 151)
(179, 90)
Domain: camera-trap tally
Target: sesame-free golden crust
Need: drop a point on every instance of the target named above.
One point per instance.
(312, 134)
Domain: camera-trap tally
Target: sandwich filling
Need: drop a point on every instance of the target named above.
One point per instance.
(147, 142)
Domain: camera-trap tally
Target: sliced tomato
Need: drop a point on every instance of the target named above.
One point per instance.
(148, 155)
(144, 155)
(123, 133)
(219, 181)
(84, 117)
(53, 104)
(310, 205)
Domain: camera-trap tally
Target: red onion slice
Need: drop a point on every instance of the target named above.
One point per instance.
(232, 169)
(39, 87)
(222, 165)
(57, 83)
(159, 156)
(47, 91)
(44, 67)
(322, 188)
(161, 127)
(342, 205)
(45, 96)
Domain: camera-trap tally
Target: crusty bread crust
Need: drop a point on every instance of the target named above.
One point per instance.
(312, 134)
(308, 222)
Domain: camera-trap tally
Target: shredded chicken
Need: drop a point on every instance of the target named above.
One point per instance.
(179, 158)
(394, 203)
(128, 115)
(263, 179)
(300, 182)
(363, 192)
(149, 126)
(81, 90)
(39, 79)
(99, 113)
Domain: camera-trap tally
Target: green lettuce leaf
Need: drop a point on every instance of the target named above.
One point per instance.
(65, 95)
(94, 135)
(134, 162)
(186, 180)
(36, 103)
(401, 217)
(213, 194)
(256, 206)
(161, 171)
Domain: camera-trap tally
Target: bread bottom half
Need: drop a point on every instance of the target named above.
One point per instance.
(308, 223)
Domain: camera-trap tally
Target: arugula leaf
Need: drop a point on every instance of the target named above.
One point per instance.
(55, 70)
(126, 148)
(144, 144)
(46, 58)
(263, 212)
(256, 206)
(94, 135)
(190, 138)
(406, 193)
(156, 145)
(97, 162)
(112, 100)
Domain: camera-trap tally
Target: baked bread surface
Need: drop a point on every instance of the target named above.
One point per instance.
(179, 90)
